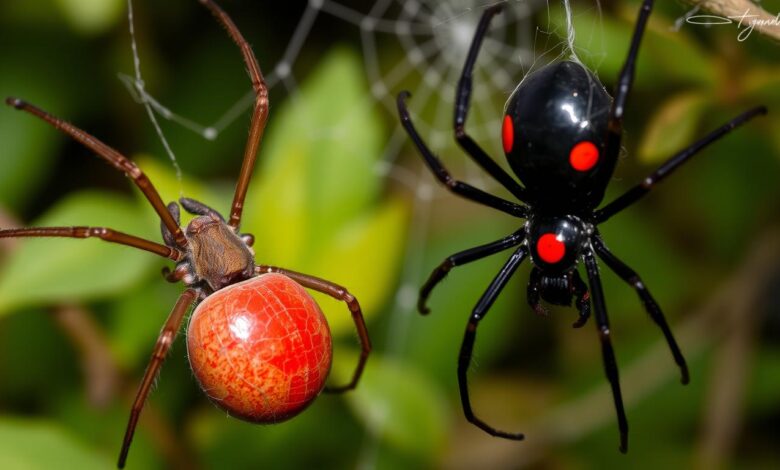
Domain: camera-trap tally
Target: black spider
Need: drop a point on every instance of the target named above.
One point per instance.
(561, 136)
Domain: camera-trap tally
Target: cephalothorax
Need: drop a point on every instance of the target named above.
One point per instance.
(242, 328)
(561, 134)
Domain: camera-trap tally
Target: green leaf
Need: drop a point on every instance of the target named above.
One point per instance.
(318, 160)
(30, 445)
(92, 16)
(48, 270)
(325, 142)
(29, 145)
(672, 127)
(398, 404)
(136, 317)
(354, 259)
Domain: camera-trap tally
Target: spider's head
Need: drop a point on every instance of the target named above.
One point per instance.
(556, 242)
(219, 256)
(553, 134)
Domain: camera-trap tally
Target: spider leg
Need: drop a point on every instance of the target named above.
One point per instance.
(533, 294)
(466, 349)
(105, 234)
(164, 342)
(608, 354)
(338, 293)
(583, 299)
(117, 160)
(463, 257)
(462, 189)
(623, 87)
(635, 193)
(259, 115)
(462, 98)
(632, 278)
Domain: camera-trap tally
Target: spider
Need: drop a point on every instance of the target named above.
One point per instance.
(216, 263)
(561, 135)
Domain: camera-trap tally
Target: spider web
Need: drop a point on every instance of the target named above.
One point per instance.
(427, 41)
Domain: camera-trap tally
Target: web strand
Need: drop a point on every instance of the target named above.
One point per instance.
(138, 90)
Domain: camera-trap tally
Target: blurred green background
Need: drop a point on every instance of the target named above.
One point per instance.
(78, 319)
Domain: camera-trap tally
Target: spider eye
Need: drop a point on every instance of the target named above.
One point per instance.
(584, 156)
(508, 134)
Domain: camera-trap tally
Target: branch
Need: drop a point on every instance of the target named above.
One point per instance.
(765, 22)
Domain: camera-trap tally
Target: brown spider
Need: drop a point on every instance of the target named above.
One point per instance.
(213, 257)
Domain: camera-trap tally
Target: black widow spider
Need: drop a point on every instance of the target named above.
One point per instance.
(561, 135)
(213, 257)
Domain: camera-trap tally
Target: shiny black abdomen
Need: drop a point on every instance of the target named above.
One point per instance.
(552, 111)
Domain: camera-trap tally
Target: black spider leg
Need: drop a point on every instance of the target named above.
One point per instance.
(463, 257)
(623, 87)
(198, 208)
(462, 189)
(580, 290)
(462, 99)
(633, 279)
(467, 347)
(635, 193)
(608, 354)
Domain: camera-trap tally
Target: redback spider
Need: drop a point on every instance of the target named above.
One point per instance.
(257, 342)
(561, 135)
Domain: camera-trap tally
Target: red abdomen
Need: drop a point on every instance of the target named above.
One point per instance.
(261, 349)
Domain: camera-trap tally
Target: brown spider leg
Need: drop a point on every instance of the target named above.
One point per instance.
(338, 293)
(164, 342)
(117, 160)
(105, 234)
(259, 116)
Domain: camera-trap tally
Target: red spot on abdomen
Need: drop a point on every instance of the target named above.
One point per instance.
(584, 156)
(550, 249)
(508, 134)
